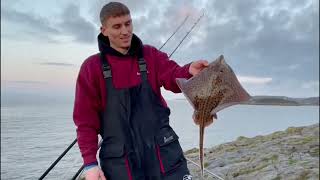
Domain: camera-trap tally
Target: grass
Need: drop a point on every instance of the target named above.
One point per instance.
(294, 130)
(251, 170)
(273, 158)
(246, 159)
(191, 151)
(206, 164)
(308, 139)
(242, 138)
(277, 178)
(292, 161)
(314, 152)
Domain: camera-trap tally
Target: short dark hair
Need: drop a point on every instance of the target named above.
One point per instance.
(113, 9)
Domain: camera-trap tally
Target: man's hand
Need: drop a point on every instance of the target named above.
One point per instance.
(197, 66)
(95, 173)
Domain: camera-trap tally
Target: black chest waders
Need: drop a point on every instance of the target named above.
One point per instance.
(138, 142)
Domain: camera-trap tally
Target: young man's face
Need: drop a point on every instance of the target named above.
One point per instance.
(119, 31)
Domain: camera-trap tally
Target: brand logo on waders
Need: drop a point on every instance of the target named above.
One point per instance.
(187, 177)
(165, 139)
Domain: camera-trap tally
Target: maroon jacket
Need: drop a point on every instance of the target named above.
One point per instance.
(90, 97)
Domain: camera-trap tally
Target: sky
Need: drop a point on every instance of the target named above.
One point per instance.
(272, 45)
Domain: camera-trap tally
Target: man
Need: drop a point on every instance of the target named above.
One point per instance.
(118, 96)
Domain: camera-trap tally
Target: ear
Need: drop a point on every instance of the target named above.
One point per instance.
(104, 30)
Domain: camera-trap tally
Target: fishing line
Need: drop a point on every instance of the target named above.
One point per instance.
(185, 19)
(194, 25)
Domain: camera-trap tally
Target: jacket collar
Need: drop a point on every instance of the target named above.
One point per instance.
(104, 46)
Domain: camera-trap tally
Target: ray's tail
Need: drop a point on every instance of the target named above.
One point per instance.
(201, 154)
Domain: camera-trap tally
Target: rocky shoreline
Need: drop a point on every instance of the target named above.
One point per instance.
(289, 154)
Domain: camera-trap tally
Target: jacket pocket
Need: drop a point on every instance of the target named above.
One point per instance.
(114, 162)
(169, 151)
(112, 151)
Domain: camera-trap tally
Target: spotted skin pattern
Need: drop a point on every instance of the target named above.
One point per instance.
(213, 89)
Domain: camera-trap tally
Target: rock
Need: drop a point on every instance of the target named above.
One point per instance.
(289, 154)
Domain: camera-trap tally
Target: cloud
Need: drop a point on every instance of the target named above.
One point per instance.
(254, 80)
(29, 25)
(73, 24)
(273, 41)
(35, 23)
(27, 82)
(255, 36)
(25, 26)
(56, 64)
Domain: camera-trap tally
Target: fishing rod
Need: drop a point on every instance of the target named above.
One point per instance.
(185, 19)
(206, 170)
(187, 34)
(80, 170)
(58, 159)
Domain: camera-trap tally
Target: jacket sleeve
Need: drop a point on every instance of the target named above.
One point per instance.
(168, 70)
(86, 115)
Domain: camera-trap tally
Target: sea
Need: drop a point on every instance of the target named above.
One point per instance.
(33, 135)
